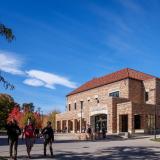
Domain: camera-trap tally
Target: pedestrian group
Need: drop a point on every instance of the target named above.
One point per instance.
(29, 134)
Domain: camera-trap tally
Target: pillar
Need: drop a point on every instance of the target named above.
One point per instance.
(80, 125)
(67, 126)
(61, 125)
(130, 123)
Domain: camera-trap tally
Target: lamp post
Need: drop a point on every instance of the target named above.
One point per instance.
(81, 116)
(155, 116)
(155, 122)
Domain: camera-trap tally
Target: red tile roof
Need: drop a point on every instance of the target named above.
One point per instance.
(113, 77)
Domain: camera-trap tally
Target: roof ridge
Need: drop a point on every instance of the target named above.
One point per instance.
(141, 72)
(112, 77)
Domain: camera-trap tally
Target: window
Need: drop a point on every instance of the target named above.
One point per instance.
(97, 100)
(146, 96)
(114, 94)
(75, 106)
(69, 107)
(81, 104)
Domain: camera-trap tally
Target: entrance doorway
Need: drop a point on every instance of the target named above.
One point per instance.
(124, 122)
(137, 122)
(101, 123)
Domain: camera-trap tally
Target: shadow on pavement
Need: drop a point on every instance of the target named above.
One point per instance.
(4, 141)
(113, 153)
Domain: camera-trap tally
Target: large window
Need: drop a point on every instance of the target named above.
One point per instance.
(114, 94)
(69, 107)
(146, 96)
(81, 104)
(75, 106)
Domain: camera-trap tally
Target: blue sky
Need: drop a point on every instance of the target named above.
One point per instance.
(61, 44)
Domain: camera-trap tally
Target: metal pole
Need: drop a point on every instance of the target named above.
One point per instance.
(155, 122)
(81, 115)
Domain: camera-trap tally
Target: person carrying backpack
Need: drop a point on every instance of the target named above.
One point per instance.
(48, 135)
(13, 132)
(28, 132)
(89, 132)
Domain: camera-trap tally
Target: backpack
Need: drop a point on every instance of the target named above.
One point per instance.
(89, 130)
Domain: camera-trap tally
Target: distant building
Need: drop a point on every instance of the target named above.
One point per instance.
(123, 101)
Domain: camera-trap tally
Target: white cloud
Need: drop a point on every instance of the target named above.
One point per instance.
(10, 63)
(33, 82)
(48, 80)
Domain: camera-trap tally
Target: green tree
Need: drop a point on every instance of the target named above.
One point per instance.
(52, 118)
(8, 34)
(6, 105)
(28, 107)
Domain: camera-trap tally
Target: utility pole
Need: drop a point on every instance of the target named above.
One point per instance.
(81, 116)
(155, 122)
(155, 116)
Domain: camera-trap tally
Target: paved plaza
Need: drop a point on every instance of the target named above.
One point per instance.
(113, 148)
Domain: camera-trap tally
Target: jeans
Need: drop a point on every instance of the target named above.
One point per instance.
(13, 143)
(46, 142)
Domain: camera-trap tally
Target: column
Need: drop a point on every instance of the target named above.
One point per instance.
(80, 125)
(118, 123)
(130, 123)
(61, 125)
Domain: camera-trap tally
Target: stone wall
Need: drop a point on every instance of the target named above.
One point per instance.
(131, 101)
(150, 87)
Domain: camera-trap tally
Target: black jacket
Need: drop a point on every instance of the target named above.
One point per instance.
(13, 131)
(48, 133)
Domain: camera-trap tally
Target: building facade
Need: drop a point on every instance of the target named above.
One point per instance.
(123, 101)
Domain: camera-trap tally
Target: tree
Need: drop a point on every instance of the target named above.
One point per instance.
(28, 107)
(22, 116)
(6, 105)
(15, 114)
(8, 34)
(6, 84)
(52, 118)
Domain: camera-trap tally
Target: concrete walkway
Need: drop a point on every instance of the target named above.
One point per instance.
(68, 148)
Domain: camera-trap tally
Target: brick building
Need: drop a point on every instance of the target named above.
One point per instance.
(123, 101)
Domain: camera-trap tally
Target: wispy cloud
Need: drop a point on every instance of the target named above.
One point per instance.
(33, 82)
(10, 63)
(131, 5)
(48, 80)
(118, 43)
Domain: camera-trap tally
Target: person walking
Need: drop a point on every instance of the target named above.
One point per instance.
(89, 132)
(48, 135)
(13, 132)
(29, 133)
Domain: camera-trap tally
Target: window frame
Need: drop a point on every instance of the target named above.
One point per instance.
(69, 107)
(111, 94)
(146, 94)
(75, 106)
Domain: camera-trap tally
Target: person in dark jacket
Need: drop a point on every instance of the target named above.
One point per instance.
(48, 135)
(13, 132)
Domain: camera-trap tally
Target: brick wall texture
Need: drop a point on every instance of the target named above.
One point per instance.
(131, 102)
